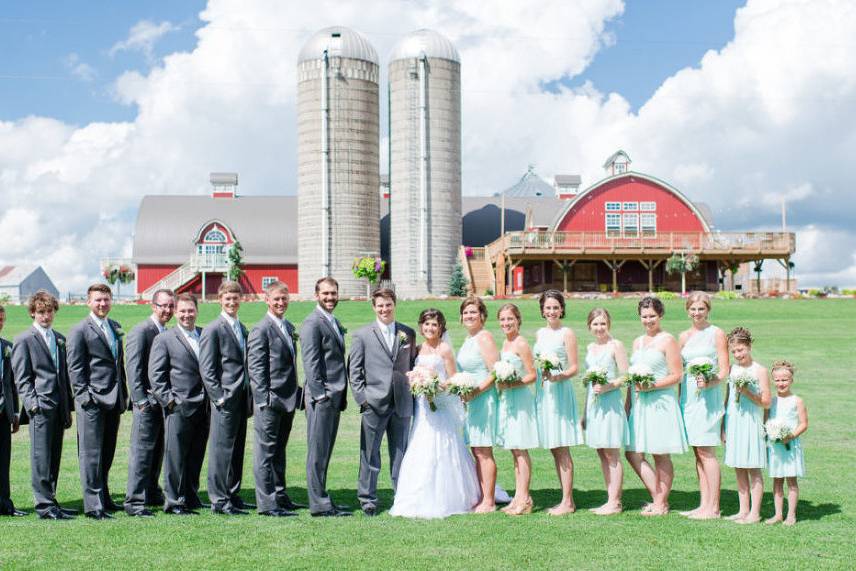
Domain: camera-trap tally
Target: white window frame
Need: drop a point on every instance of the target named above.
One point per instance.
(612, 206)
(630, 230)
(209, 240)
(648, 229)
(620, 168)
(648, 206)
(630, 206)
(613, 229)
(267, 280)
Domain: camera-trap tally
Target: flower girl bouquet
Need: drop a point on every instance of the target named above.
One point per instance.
(424, 382)
(597, 376)
(640, 375)
(462, 384)
(741, 381)
(702, 367)
(777, 431)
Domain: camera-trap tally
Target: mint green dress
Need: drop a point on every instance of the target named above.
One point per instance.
(556, 404)
(606, 421)
(703, 411)
(785, 462)
(481, 428)
(655, 421)
(518, 425)
(745, 445)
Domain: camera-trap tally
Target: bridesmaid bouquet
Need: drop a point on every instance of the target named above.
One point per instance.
(424, 382)
(548, 361)
(702, 367)
(777, 431)
(741, 381)
(640, 375)
(504, 372)
(462, 384)
(597, 376)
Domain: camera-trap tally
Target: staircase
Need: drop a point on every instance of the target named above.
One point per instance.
(478, 270)
(173, 280)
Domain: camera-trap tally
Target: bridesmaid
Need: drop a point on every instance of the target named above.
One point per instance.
(517, 418)
(655, 417)
(477, 357)
(702, 403)
(605, 420)
(745, 450)
(558, 427)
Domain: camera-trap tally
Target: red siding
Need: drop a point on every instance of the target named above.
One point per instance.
(251, 281)
(147, 275)
(673, 214)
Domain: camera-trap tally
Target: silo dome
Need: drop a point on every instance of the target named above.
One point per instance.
(427, 42)
(339, 41)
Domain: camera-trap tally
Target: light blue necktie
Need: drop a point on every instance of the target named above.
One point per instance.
(111, 339)
(52, 348)
(239, 334)
(288, 340)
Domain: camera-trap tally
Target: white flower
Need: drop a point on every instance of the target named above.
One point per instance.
(640, 370)
(503, 370)
(462, 384)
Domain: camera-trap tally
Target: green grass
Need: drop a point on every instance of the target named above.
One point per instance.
(817, 335)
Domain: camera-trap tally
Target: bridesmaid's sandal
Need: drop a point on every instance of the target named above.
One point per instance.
(657, 510)
(524, 508)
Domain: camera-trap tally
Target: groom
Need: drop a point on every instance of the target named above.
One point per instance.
(381, 355)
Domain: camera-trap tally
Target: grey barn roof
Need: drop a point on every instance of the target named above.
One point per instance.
(568, 179)
(167, 225)
(482, 214)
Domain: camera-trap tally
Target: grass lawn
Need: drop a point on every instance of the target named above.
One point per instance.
(818, 335)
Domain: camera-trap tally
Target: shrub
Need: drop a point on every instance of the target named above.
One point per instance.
(457, 282)
(727, 295)
(666, 295)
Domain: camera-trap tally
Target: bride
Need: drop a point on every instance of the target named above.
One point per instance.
(438, 475)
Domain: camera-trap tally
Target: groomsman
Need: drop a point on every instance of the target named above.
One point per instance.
(273, 377)
(146, 452)
(223, 365)
(381, 355)
(39, 360)
(96, 366)
(177, 385)
(322, 343)
(8, 421)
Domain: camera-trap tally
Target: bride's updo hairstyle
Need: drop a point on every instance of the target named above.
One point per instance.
(477, 301)
(436, 315)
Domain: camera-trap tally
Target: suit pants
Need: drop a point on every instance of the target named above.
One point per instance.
(46, 432)
(226, 450)
(322, 425)
(144, 458)
(97, 429)
(184, 429)
(374, 425)
(272, 428)
(5, 460)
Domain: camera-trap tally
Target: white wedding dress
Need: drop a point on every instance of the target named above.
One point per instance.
(438, 474)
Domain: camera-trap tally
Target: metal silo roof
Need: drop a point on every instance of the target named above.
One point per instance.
(340, 42)
(530, 185)
(429, 42)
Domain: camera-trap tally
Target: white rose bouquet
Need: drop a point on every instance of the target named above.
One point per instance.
(424, 382)
(462, 384)
(548, 361)
(640, 375)
(504, 372)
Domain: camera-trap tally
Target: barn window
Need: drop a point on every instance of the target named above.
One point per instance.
(620, 168)
(649, 224)
(648, 206)
(613, 224)
(613, 206)
(631, 225)
(214, 235)
(267, 280)
(630, 206)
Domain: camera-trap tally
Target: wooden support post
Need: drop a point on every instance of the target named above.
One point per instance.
(203, 285)
(565, 266)
(614, 266)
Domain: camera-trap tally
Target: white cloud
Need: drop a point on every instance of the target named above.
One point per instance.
(78, 68)
(766, 116)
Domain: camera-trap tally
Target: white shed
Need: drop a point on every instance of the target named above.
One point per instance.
(18, 283)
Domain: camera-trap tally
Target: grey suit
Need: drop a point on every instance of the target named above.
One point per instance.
(223, 365)
(45, 389)
(325, 392)
(146, 451)
(271, 356)
(100, 395)
(8, 409)
(378, 379)
(177, 386)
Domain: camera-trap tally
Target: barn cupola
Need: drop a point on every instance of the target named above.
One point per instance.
(617, 163)
(224, 184)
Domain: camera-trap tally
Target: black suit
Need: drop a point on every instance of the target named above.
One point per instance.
(223, 365)
(8, 410)
(273, 377)
(45, 389)
(100, 395)
(177, 386)
(146, 451)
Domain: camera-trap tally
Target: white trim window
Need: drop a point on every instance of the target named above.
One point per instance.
(267, 280)
(613, 225)
(215, 235)
(630, 206)
(630, 223)
(649, 224)
(210, 249)
(613, 206)
(648, 206)
(620, 168)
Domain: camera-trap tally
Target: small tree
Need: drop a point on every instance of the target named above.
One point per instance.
(682, 263)
(759, 266)
(235, 258)
(370, 268)
(458, 283)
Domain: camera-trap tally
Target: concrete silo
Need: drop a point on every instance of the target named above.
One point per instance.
(425, 163)
(338, 164)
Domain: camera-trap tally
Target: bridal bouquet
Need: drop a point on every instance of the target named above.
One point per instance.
(777, 431)
(740, 381)
(640, 375)
(548, 361)
(597, 376)
(702, 367)
(462, 384)
(504, 372)
(424, 382)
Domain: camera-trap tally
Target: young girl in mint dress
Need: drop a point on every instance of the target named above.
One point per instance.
(518, 424)
(786, 457)
(605, 421)
(702, 402)
(656, 426)
(745, 449)
(558, 425)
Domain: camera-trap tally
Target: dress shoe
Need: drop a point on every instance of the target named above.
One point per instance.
(241, 504)
(155, 500)
(179, 510)
(98, 514)
(112, 507)
(12, 512)
(278, 513)
(68, 511)
(292, 506)
(228, 510)
(197, 505)
(142, 513)
(334, 512)
(370, 510)
(56, 514)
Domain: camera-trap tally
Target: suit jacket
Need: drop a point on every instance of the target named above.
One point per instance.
(273, 365)
(138, 345)
(379, 377)
(323, 350)
(8, 393)
(174, 371)
(96, 377)
(222, 362)
(41, 384)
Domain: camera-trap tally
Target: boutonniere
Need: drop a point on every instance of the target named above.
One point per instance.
(119, 331)
(60, 343)
(344, 330)
(402, 337)
(295, 337)
(7, 352)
